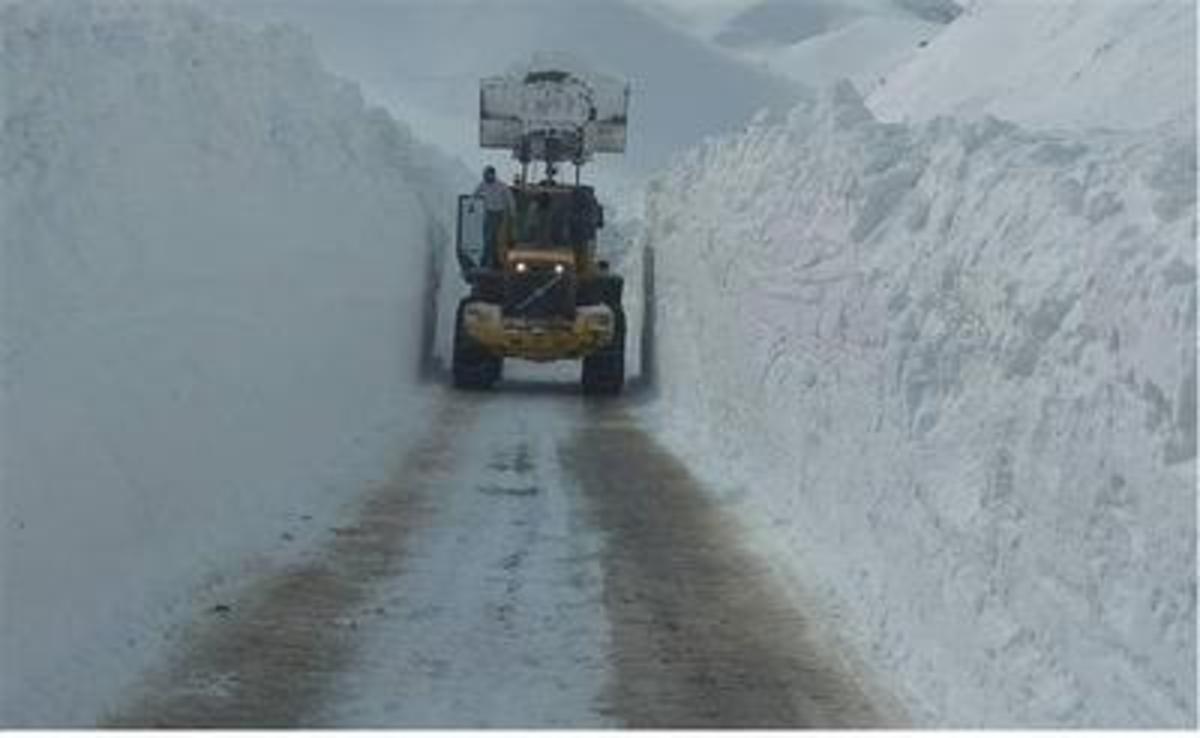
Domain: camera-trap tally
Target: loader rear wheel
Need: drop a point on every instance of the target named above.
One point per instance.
(473, 366)
(604, 371)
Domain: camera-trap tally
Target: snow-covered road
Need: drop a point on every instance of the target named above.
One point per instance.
(537, 561)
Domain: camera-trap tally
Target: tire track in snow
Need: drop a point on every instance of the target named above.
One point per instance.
(700, 640)
(271, 660)
(469, 592)
(497, 620)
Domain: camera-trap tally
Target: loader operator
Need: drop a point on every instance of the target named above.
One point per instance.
(497, 202)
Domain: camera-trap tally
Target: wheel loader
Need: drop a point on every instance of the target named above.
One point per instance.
(538, 291)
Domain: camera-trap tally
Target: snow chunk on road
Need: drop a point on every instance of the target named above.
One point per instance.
(949, 369)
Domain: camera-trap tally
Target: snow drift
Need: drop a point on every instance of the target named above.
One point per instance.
(214, 286)
(1109, 63)
(814, 42)
(818, 42)
(947, 371)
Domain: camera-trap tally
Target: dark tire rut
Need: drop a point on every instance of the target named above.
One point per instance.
(701, 638)
(270, 660)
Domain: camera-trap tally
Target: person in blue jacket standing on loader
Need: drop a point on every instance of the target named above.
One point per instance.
(497, 202)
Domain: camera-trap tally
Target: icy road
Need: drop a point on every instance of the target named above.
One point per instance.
(537, 561)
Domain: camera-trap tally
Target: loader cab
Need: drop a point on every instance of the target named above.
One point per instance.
(548, 217)
(552, 217)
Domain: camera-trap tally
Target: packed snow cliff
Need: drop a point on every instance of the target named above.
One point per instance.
(946, 369)
(948, 372)
(213, 286)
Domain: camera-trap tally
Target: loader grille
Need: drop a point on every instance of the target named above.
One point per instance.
(540, 293)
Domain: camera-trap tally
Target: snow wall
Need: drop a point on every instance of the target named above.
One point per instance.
(214, 298)
(946, 373)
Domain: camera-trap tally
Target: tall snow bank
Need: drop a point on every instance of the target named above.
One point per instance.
(213, 286)
(948, 371)
(1066, 63)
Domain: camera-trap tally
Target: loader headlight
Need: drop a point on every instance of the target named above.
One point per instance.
(559, 269)
(522, 267)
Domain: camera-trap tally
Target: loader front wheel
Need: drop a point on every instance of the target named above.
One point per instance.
(604, 371)
(473, 366)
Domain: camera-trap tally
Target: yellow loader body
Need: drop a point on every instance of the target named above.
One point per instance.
(541, 339)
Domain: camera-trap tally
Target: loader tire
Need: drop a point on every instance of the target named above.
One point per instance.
(604, 371)
(473, 366)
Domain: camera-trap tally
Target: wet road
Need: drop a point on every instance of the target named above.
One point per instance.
(537, 561)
